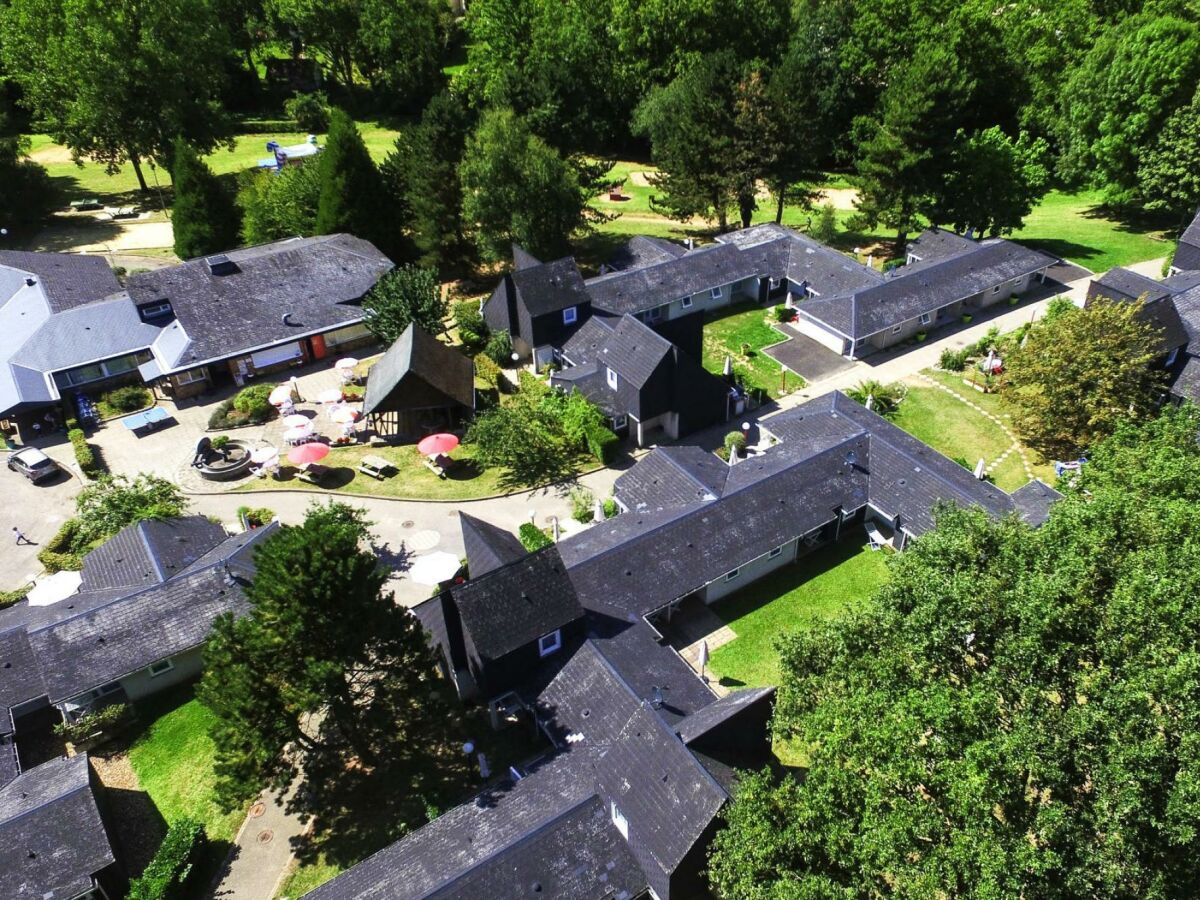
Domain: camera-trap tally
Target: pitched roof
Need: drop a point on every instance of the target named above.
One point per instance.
(85, 334)
(937, 243)
(629, 347)
(1124, 286)
(149, 552)
(418, 353)
(1187, 383)
(52, 839)
(20, 677)
(550, 287)
(68, 279)
(517, 603)
(716, 714)
(780, 252)
(669, 477)
(641, 251)
(316, 282)
(488, 546)
(639, 289)
(1187, 252)
(1033, 501)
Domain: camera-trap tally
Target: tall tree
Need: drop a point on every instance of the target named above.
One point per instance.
(26, 193)
(204, 218)
(279, 205)
(1081, 373)
(1011, 715)
(400, 298)
(1169, 171)
(329, 29)
(326, 678)
(518, 189)
(353, 197)
(401, 47)
(118, 80)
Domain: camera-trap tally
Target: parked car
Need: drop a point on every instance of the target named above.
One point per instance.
(33, 464)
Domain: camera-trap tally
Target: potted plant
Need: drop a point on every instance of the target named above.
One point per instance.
(966, 318)
(921, 335)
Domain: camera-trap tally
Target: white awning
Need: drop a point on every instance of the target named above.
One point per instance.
(275, 355)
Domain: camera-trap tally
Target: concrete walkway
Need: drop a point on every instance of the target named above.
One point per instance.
(262, 850)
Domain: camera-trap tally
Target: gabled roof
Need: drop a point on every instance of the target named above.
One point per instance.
(86, 334)
(20, 677)
(641, 251)
(639, 289)
(488, 546)
(779, 252)
(418, 353)
(550, 287)
(52, 839)
(523, 259)
(68, 279)
(1187, 383)
(316, 282)
(1124, 286)
(149, 552)
(933, 244)
(1187, 252)
(1033, 501)
(630, 348)
(716, 714)
(517, 603)
(669, 477)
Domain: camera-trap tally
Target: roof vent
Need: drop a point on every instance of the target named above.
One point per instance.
(30, 281)
(286, 318)
(656, 697)
(221, 265)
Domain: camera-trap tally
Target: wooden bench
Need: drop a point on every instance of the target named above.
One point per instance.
(313, 473)
(375, 466)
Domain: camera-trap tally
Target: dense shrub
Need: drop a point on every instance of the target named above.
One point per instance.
(953, 360)
(735, 442)
(602, 443)
(250, 406)
(168, 874)
(784, 313)
(8, 598)
(890, 264)
(610, 508)
(987, 342)
(85, 726)
(489, 373)
(254, 400)
(583, 505)
(85, 456)
(472, 329)
(532, 538)
(256, 517)
(311, 112)
(58, 553)
(825, 227)
(885, 398)
(499, 348)
(127, 399)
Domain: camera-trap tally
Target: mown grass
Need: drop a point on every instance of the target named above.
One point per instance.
(725, 333)
(818, 587)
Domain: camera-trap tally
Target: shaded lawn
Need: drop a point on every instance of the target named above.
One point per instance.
(816, 588)
(726, 330)
(174, 758)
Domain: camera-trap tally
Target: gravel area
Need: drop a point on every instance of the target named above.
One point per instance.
(138, 825)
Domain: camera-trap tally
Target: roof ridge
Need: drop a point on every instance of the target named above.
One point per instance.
(691, 477)
(69, 760)
(150, 554)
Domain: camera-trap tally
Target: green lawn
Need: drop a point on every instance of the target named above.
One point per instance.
(174, 758)
(818, 587)
(726, 330)
(951, 427)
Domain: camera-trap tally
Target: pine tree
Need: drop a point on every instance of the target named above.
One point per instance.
(352, 190)
(204, 216)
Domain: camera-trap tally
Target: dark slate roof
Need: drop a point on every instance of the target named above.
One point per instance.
(68, 279)
(488, 546)
(1122, 284)
(779, 252)
(550, 287)
(419, 353)
(629, 347)
(149, 552)
(920, 288)
(10, 766)
(523, 259)
(20, 677)
(718, 713)
(517, 603)
(1187, 305)
(937, 243)
(636, 290)
(1187, 382)
(318, 281)
(1033, 501)
(52, 839)
(112, 640)
(669, 477)
(641, 251)
(1187, 253)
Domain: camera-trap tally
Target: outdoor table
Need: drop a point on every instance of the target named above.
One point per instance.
(374, 466)
(145, 420)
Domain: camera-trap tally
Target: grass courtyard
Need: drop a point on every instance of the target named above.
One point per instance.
(725, 333)
(816, 588)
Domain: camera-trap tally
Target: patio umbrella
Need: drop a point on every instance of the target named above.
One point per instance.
(348, 362)
(261, 456)
(979, 468)
(333, 395)
(295, 420)
(307, 453)
(437, 444)
(282, 394)
(434, 568)
(343, 415)
(298, 433)
(54, 588)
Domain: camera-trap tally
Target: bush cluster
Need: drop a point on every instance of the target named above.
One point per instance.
(472, 329)
(583, 505)
(499, 348)
(532, 538)
(953, 360)
(168, 873)
(250, 406)
(610, 508)
(489, 373)
(735, 442)
(256, 517)
(8, 598)
(602, 443)
(784, 313)
(129, 398)
(58, 553)
(85, 456)
(85, 726)
(311, 112)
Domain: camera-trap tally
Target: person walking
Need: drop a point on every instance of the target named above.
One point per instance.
(20, 536)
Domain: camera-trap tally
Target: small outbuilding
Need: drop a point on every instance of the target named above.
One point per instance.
(419, 386)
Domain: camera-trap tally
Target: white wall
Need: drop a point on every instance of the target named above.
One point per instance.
(188, 665)
(819, 333)
(749, 572)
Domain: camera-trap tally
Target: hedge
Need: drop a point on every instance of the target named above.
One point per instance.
(85, 457)
(532, 538)
(56, 554)
(167, 875)
(488, 372)
(87, 725)
(602, 443)
(8, 598)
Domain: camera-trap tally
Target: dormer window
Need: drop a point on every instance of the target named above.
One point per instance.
(570, 315)
(611, 377)
(548, 643)
(155, 310)
(621, 823)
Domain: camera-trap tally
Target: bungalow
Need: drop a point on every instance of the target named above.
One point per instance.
(418, 386)
(644, 384)
(66, 325)
(1187, 250)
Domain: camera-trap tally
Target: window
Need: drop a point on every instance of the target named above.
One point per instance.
(653, 315)
(772, 283)
(774, 553)
(159, 668)
(729, 576)
(619, 422)
(718, 293)
(926, 318)
(570, 314)
(548, 643)
(686, 302)
(1171, 357)
(611, 376)
(153, 310)
(191, 376)
(104, 690)
(996, 289)
(896, 329)
(619, 820)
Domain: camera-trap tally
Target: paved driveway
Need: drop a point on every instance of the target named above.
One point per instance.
(37, 509)
(808, 359)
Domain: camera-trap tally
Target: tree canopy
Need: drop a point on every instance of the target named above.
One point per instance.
(26, 192)
(401, 297)
(204, 218)
(352, 197)
(1010, 715)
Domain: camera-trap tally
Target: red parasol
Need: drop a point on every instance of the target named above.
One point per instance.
(436, 444)
(307, 453)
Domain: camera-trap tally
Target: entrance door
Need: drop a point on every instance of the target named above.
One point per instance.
(316, 346)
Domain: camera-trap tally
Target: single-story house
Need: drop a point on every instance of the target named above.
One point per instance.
(1187, 250)
(419, 386)
(645, 384)
(67, 326)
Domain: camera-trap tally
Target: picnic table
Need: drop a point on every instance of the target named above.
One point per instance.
(87, 203)
(146, 420)
(375, 466)
(313, 473)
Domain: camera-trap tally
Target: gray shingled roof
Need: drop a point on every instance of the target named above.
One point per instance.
(52, 839)
(1187, 253)
(1187, 383)
(719, 712)
(1122, 284)
(933, 244)
(1159, 310)
(418, 353)
(317, 281)
(87, 334)
(517, 603)
(149, 552)
(629, 347)
(669, 477)
(20, 677)
(488, 547)
(550, 287)
(68, 279)
(636, 290)
(1033, 501)
(641, 251)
